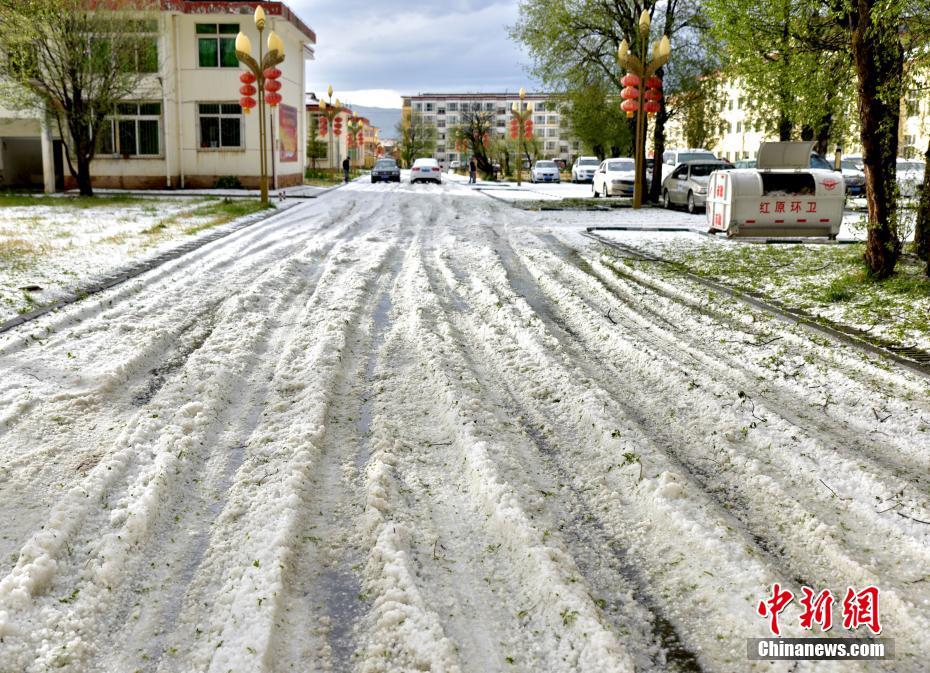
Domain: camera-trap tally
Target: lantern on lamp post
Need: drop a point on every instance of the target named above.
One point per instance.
(356, 140)
(261, 78)
(521, 129)
(642, 91)
(330, 123)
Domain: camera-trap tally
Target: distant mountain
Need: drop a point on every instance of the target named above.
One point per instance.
(384, 118)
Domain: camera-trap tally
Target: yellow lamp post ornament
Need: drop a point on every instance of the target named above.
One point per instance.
(261, 78)
(641, 100)
(521, 129)
(330, 124)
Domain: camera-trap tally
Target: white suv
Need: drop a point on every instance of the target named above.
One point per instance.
(584, 168)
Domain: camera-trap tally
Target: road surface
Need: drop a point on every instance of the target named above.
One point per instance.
(411, 428)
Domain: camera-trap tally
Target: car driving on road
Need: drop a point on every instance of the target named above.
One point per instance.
(545, 171)
(385, 170)
(687, 184)
(426, 170)
(584, 168)
(614, 177)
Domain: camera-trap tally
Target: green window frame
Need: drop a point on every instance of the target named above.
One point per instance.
(220, 126)
(134, 131)
(216, 45)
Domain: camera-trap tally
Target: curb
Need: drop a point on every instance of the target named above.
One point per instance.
(918, 362)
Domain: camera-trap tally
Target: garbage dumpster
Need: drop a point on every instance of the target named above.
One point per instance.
(782, 196)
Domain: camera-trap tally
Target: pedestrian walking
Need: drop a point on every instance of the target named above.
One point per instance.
(345, 169)
(473, 171)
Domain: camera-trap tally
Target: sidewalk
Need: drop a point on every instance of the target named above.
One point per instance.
(295, 192)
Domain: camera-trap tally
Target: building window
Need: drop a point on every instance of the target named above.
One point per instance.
(441, 123)
(540, 119)
(912, 105)
(489, 107)
(501, 123)
(429, 107)
(553, 133)
(418, 107)
(441, 111)
(739, 127)
(220, 125)
(216, 45)
(452, 107)
(134, 131)
(540, 107)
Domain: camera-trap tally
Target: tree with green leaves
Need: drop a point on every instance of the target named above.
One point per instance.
(596, 120)
(74, 63)
(416, 137)
(698, 109)
(316, 148)
(573, 42)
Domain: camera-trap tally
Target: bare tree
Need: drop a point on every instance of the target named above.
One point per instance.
(415, 137)
(74, 60)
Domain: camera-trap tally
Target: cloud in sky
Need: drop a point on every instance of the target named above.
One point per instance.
(373, 52)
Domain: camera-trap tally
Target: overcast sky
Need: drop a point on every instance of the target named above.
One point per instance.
(373, 52)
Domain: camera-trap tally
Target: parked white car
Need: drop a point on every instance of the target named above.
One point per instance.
(687, 184)
(614, 177)
(584, 168)
(671, 159)
(426, 170)
(545, 170)
(910, 176)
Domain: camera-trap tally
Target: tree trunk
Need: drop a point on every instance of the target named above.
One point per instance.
(922, 228)
(879, 62)
(785, 126)
(83, 176)
(824, 130)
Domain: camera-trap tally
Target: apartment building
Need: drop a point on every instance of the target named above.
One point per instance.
(184, 127)
(445, 110)
(740, 131)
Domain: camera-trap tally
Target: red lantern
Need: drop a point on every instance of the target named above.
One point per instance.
(528, 128)
(272, 85)
(629, 106)
(272, 73)
(654, 82)
(630, 80)
(337, 126)
(653, 95)
(630, 93)
(361, 137)
(247, 78)
(272, 99)
(323, 126)
(247, 103)
(652, 107)
(247, 90)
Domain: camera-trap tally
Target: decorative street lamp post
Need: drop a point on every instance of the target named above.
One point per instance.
(330, 126)
(642, 100)
(262, 78)
(356, 138)
(521, 129)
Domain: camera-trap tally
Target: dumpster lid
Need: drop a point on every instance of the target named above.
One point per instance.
(785, 155)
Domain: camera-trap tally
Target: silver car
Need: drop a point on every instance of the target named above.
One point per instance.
(687, 184)
(545, 171)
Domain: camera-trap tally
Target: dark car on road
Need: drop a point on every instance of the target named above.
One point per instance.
(385, 170)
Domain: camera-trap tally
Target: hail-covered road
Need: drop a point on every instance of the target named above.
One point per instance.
(413, 429)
